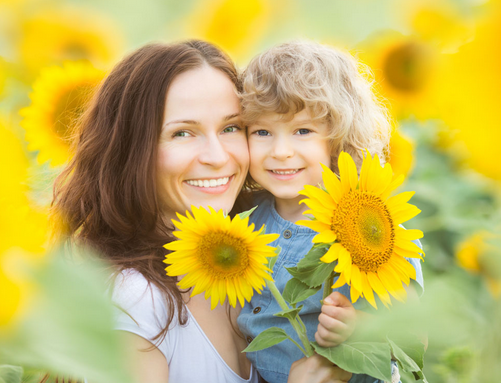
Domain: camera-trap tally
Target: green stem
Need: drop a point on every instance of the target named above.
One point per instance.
(328, 284)
(297, 323)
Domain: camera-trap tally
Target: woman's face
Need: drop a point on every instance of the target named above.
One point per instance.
(202, 154)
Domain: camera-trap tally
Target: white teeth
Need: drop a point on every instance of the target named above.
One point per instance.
(285, 171)
(209, 183)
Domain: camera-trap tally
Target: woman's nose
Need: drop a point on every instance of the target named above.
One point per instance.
(214, 152)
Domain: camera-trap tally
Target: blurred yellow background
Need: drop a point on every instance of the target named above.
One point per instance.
(436, 63)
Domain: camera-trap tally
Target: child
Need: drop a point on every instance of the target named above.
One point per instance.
(303, 104)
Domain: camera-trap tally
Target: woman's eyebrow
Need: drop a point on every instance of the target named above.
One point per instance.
(231, 116)
(187, 122)
(193, 122)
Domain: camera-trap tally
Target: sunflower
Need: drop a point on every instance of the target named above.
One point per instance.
(473, 120)
(405, 70)
(472, 255)
(220, 256)
(401, 153)
(55, 36)
(21, 225)
(59, 97)
(235, 26)
(362, 223)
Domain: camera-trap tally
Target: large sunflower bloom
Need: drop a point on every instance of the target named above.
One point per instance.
(70, 33)
(357, 215)
(248, 22)
(219, 255)
(59, 97)
(405, 70)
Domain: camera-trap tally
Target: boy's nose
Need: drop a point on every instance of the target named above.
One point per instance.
(282, 149)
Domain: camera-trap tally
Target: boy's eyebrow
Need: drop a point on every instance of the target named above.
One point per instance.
(193, 122)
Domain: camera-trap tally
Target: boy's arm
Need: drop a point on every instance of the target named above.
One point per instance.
(337, 320)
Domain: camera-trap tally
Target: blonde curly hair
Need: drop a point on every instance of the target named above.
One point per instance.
(335, 88)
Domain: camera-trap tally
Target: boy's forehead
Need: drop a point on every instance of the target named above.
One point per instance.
(301, 118)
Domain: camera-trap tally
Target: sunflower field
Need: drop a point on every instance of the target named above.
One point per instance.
(436, 63)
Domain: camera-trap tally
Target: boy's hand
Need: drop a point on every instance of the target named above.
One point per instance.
(336, 321)
(317, 369)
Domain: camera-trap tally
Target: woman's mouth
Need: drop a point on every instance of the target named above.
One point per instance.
(211, 185)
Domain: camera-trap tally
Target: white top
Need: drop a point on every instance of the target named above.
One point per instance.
(189, 353)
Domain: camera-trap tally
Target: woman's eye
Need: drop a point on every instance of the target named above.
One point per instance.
(231, 129)
(181, 133)
(303, 131)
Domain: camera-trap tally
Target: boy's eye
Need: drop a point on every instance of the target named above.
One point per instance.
(231, 129)
(303, 131)
(262, 132)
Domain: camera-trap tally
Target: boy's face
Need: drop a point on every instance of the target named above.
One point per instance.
(286, 155)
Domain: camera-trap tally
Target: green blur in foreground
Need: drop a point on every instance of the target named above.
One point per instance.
(68, 329)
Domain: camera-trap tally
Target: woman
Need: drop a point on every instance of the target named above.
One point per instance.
(163, 133)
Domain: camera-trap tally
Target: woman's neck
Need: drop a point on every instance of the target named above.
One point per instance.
(290, 209)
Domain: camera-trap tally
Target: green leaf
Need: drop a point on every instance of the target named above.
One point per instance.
(371, 358)
(296, 291)
(310, 270)
(267, 338)
(290, 314)
(312, 257)
(404, 360)
(247, 213)
(272, 260)
(411, 346)
(11, 374)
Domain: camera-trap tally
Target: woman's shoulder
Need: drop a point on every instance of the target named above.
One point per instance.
(140, 299)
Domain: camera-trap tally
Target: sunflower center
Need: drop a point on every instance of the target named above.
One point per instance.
(69, 108)
(364, 227)
(76, 50)
(223, 255)
(407, 67)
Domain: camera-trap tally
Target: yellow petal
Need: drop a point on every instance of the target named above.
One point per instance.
(356, 279)
(332, 254)
(365, 171)
(319, 195)
(406, 253)
(404, 214)
(408, 245)
(395, 202)
(391, 282)
(317, 206)
(378, 287)
(367, 290)
(348, 172)
(325, 237)
(314, 225)
(354, 294)
(397, 181)
(410, 235)
(332, 184)
(339, 282)
(320, 216)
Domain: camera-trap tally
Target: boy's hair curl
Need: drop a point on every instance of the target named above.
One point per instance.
(293, 76)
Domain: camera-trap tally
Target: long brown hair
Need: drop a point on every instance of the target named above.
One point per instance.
(107, 195)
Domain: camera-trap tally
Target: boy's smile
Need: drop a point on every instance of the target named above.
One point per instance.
(286, 155)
